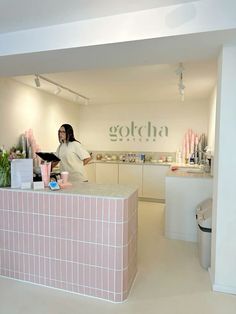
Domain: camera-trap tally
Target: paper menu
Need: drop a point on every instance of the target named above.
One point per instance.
(21, 171)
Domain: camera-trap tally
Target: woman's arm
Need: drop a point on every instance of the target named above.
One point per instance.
(81, 152)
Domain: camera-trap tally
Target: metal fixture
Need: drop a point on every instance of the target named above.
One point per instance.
(77, 96)
(181, 87)
(37, 81)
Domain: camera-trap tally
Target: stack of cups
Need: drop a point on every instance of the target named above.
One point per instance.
(45, 172)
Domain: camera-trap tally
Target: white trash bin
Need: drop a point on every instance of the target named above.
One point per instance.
(204, 221)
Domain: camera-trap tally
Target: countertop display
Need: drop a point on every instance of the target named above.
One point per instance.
(131, 163)
(154, 163)
(82, 239)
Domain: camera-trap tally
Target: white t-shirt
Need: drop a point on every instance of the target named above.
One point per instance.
(72, 155)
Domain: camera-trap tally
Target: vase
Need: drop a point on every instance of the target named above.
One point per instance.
(5, 178)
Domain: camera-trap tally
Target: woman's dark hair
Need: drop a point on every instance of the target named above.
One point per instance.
(69, 133)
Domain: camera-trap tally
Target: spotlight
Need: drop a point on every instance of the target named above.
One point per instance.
(57, 91)
(37, 81)
(76, 98)
(81, 100)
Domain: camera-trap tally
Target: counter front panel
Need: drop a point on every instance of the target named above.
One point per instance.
(83, 244)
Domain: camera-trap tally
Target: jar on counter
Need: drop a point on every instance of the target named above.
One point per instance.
(99, 156)
(142, 157)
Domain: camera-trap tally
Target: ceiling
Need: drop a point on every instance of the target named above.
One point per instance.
(139, 84)
(122, 83)
(17, 15)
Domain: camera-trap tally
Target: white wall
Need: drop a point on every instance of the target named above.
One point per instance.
(224, 208)
(23, 107)
(212, 122)
(94, 124)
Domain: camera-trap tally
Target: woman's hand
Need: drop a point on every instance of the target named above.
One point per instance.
(54, 163)
(87, 160)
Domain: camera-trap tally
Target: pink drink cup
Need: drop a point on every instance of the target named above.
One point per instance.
(64, 176)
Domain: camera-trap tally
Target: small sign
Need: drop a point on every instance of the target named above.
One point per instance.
(21, 172)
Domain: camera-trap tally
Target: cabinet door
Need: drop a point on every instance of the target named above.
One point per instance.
(131, 175)
(154, 181)
(91, 172)
(106, 173)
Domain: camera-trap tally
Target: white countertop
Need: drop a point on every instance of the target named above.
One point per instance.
(90, 189)
(188, 174)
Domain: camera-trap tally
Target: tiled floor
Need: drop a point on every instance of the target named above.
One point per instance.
(169, 281)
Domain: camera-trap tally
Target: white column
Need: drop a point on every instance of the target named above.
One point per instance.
(223, 272)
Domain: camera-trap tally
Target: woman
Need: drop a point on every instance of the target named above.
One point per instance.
(72, 155)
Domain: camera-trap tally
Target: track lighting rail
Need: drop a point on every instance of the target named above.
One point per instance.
(39, 77)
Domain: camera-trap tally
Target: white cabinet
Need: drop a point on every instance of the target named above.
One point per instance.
(183, 194)
(154, 181)
(106, 173)
(90, 169)
(132, 175)
(150, 179)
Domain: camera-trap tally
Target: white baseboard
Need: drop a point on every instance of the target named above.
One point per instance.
(225, 289)
(220, 288)
(181, 236)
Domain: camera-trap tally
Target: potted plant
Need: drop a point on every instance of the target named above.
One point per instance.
(5, 169)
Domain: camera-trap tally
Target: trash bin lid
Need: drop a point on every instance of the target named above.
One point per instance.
(204, 214)
(205, 205)
(204, 219)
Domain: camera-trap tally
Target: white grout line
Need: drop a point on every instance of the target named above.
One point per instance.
(44, 217)
(84, 245)
(66, 250)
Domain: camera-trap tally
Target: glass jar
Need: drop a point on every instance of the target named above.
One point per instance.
(5, 178)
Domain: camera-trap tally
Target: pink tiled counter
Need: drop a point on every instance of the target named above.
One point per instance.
(85, 244)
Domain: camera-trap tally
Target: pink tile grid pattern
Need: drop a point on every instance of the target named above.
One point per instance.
(86, 245)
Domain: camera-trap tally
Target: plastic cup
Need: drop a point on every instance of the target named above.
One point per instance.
(64, 176)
